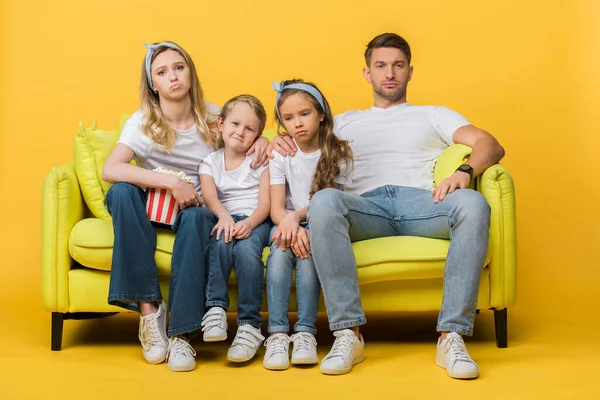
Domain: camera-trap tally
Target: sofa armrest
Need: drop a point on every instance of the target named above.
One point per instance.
(450, 159)
(62, 208)
(497, 187)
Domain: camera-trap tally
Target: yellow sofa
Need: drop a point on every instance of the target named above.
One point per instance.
(395, 273)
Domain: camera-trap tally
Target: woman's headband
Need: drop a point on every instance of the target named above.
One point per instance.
(150, 52)
(280, 87)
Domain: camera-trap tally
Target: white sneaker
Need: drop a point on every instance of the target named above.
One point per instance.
(214, 325)
(153, 335)
(347, 350)
(305, 348)
(247, 340)
(452, 355)
(181, 355)
(277, 356)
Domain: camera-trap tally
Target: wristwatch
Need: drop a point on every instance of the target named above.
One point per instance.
(467, 169)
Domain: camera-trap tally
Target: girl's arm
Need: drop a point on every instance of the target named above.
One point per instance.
(211, 199)
(245, 227)
(117, 169)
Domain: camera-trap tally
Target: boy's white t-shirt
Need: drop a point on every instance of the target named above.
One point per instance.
(398, 145)
(237, 190)
(186, 154)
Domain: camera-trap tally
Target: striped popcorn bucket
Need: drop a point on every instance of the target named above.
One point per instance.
(161, 206)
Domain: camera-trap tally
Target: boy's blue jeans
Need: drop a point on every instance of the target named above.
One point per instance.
(280, 266)
(246, 257)
(337, 219)
(134, 276)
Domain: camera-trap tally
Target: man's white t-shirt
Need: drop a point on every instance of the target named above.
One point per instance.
(237, 190)
(186, 154)
(398, 145)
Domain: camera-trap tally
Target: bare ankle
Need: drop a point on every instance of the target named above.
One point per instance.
(148, 307)
(356, 331)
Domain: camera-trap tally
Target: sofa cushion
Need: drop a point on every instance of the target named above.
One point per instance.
(92, 147)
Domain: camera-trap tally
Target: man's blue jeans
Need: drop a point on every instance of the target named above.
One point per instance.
(280, 266)
(336, 219)
(134, 276)
(246, 257)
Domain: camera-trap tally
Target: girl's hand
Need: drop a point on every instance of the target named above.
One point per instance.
(260, 149)
(225, 224)
(282, 144)
(242, 229)
(285, 234)
(184, 193)
(302, 246)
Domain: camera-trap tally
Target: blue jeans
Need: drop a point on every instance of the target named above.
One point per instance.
(280, 266)
(134, 276)
(246, 257)
(337, 219)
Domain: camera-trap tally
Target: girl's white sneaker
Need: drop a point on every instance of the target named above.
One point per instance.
(305, 348)
(277, 356)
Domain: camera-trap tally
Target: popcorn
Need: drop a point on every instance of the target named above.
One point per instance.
(161, 206)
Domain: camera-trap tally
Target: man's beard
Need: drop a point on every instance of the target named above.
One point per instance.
(391, 95)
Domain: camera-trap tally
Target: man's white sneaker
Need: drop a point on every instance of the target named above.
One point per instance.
(305, 348)
(153, 335)
(247, 340)
(214, 325)
(277, 356)
(181, 355)
(347, 350)
(453, 356)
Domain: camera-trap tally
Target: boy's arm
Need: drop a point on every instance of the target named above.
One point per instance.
(209, 192)
(264, 203)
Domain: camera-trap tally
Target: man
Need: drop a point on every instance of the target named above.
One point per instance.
(395, 147)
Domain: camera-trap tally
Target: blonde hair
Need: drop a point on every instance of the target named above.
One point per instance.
(154, 124)
(254, 103)
(333, 149)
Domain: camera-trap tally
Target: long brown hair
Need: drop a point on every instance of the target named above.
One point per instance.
(154, 124)
(333, 149)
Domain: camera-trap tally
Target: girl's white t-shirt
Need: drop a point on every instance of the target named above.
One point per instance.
(186, 154)
(237, 190)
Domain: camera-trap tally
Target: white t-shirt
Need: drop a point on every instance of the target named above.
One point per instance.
(398, 145)
(237, 190)
(186, 154)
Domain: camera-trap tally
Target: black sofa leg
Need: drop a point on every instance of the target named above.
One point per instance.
(57, 331)
(501, 323)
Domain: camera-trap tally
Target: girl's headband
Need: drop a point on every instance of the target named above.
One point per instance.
(299, 86)
(150, 52)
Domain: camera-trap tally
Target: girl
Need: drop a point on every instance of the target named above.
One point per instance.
(239, 197)
(307, 118)
(174, 129)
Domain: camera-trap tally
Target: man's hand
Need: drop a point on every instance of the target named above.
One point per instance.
(282, 144)
(302, 246)
(458, 180)
(259, 147)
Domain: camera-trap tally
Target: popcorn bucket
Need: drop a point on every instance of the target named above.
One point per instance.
(161, 206)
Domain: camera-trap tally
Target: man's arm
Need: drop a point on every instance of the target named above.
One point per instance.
(486, 152)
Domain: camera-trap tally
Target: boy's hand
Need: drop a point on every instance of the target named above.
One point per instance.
(242, 229)
(302, 246)
(225, 225)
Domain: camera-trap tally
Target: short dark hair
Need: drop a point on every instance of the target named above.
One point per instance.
(387, 40)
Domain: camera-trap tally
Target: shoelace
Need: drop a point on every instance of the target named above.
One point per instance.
(303, 341)
(343, 343)
(178, 346)
(456, 348)
(276, 344)
(148, 333)
(246, 336)
(212, 320)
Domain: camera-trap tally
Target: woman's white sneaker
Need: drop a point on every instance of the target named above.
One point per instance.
(247, 340)
(452, 355)
(153, 335)
(214, 325)
(181, 355)
(347, 350)
(305, 348)
(277, 356)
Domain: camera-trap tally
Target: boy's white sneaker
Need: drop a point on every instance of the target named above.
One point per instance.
(181, 355)
(305, 348)
(277, 356)
(247, 340)
(347, 350)
(214, 325)
(452, 355)
(153, 335)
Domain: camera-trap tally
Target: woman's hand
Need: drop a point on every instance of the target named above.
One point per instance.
(302, 246)
(184, 193)
(282, 144)
(285, 234)
(242, 229)
(260, 149)
(225, 225)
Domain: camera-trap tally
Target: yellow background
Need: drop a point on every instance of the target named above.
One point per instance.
(525, 71)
